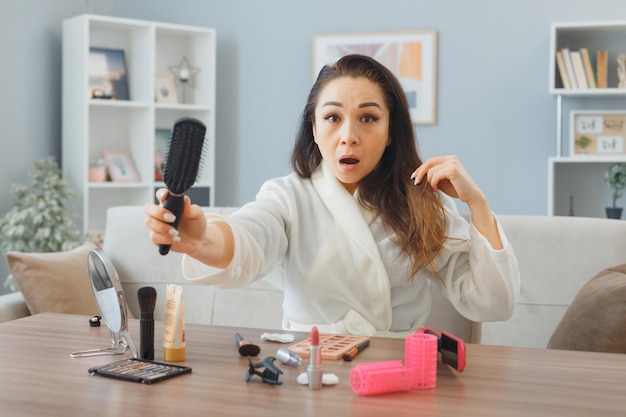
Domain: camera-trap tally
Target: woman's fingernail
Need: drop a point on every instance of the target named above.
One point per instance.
(160, 193)
(169, 217)
(174, 233)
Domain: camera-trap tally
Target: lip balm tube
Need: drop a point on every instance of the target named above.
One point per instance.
(315, 371)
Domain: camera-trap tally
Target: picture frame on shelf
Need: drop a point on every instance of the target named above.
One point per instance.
(161, 139)
(165, 90)
(108, 77)
(597, 133)
(120, 166)
(410, 55)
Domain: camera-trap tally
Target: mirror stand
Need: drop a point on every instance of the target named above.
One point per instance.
(120, 344)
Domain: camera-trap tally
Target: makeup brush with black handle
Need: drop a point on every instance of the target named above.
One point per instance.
(182, 165)
(246, 348)
(147, 300)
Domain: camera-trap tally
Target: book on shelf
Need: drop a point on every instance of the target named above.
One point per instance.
(560, 63)
(591, 79)
(579, 70)
(602, 64)
(569, 67)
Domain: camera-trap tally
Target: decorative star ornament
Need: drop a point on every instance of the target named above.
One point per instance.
(184, 73)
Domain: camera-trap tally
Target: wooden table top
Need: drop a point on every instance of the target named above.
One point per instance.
(38, 378)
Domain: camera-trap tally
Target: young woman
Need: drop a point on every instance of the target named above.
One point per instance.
(362, 225)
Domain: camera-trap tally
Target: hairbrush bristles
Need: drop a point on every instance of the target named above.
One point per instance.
(185, 154)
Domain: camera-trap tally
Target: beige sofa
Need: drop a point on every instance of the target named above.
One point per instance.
(557, 256)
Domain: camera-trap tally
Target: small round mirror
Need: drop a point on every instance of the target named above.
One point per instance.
(107, 289)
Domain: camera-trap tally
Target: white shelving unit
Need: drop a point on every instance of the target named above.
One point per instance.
(91, 126)
(582, 177)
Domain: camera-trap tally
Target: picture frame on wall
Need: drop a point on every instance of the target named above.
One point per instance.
(165, 90)
(120, 166)
(597, 133)
(410, 55)
(108, 78)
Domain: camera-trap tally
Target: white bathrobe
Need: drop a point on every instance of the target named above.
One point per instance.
(343, 273)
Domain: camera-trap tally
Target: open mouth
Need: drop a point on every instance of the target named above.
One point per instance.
(349, 161)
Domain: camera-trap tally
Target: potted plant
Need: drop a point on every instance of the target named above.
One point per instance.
(616, 177)
(583, 142)
(39, 221)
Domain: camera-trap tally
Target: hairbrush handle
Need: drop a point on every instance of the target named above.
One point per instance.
(175, 204)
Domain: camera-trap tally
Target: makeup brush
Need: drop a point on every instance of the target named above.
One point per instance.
(182, 164)
(246, 348)
(349, 355)
(147, 300)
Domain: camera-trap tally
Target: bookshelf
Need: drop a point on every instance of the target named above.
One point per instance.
(571, 173)
(130, 124)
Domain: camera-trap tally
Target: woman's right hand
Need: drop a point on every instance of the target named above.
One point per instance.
(191, 230)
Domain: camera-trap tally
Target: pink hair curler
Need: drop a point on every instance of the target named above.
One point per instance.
(421, 360)
(379, 377)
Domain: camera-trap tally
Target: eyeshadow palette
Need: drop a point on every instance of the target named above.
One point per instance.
(140, 370)
(333, 345)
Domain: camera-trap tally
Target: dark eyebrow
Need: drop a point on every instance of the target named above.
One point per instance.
(362, 105)
(371, 104)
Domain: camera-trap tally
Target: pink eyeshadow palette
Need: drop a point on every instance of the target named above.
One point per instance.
(333, 345)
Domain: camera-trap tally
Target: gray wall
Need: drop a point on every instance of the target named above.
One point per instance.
(30, 75)
(494, 109)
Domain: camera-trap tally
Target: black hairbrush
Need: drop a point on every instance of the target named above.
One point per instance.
(182, 165)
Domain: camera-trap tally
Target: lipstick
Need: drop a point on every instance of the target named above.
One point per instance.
(314, 370)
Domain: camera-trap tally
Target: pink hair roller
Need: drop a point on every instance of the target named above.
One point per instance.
(379, 377)
(421, 360)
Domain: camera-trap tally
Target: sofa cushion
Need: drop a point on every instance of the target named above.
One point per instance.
(55, 282)
(596, 318)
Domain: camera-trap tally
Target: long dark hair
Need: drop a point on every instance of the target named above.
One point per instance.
(414, 213)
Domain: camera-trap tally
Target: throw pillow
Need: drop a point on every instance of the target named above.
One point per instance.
(596, 319)
(55, 282)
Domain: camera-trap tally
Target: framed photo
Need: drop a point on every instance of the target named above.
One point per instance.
(120, 166)
(410, 55)
(597, 133)
(107, 74)
(161, 138)
(165, 92)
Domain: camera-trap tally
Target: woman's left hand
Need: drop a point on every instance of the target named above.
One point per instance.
(447, 174)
